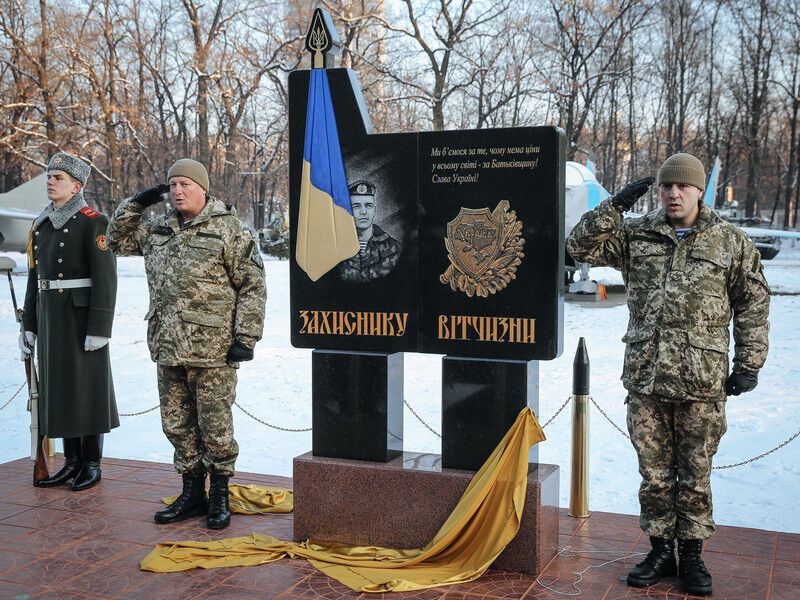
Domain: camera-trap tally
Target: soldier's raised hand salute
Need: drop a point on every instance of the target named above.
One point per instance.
(627, 196)
(151, 196)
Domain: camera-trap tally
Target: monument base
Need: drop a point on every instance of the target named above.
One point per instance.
(403, 503)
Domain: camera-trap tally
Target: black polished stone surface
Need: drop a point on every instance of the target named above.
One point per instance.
(481, 398)
(357, 405)
(479, 218)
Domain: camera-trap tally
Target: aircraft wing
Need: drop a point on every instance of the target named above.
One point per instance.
(760, 232)
(14, 227)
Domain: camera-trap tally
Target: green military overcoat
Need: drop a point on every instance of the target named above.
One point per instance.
(76, 388)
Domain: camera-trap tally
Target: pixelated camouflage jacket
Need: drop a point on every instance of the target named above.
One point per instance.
(206, 281)
(681, 297)
(375, 261)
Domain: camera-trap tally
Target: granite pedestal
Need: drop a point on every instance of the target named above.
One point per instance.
(481, 399)
(357, 404)
(403, 503)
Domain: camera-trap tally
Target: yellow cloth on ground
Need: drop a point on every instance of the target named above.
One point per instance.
(255, 499)
(484, 521)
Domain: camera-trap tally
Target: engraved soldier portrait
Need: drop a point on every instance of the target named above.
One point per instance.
(379, 252)
(207, 299)
(68, 314)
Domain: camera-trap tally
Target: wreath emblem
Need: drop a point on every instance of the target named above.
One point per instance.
(484, 248)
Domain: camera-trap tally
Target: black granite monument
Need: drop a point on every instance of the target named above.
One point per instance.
(462, 256)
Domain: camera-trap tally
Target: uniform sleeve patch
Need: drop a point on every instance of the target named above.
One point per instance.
(89, 212)
(102, 242)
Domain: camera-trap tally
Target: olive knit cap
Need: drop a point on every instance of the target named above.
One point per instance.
(186, 167)
(683, 168)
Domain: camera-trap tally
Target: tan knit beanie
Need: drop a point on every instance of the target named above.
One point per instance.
(186, 167)
(683, 168)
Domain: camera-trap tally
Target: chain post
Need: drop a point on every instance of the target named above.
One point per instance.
(579, 479)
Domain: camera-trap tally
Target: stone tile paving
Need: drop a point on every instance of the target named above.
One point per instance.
(55, 543)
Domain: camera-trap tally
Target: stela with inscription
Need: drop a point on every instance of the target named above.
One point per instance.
(460, 237)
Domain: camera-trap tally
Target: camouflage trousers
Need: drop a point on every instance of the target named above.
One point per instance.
(196, 417)
(675, 443)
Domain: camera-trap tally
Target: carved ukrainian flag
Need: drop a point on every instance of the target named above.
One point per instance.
(326, 231)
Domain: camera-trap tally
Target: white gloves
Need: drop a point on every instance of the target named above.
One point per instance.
(94, 342)
(27, 342)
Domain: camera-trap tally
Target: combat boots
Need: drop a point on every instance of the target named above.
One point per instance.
(191, 502)
(219, 514)
(91, 455)
(659, 562)
(72, 464)
(694, 576)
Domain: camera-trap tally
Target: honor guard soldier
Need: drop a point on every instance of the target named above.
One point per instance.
(379, 251)
(687, 273)
(207, 300)
(69, 310)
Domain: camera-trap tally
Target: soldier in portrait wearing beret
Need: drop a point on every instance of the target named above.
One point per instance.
(69, 310)
(687, 274)
(207, 300)
(379, 251)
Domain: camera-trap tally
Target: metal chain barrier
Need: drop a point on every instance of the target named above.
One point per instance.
(558, 412)
(413, 412)
(255, 418)
(439, 435)
(143, 412)
(762, 455)
(14, 396)
(720, 467)
(614, 425)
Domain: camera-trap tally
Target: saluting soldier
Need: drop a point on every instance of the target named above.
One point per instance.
(69, 310)
(688, 273)
(207, 300)
(379, 251)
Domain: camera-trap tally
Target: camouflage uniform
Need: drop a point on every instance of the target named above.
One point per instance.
(682, 295)
(206, 283)
(376, 260)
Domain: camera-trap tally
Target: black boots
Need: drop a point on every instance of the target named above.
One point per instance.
(72, 464)
(219, 514)
(659, 562)
(191, 503)
(91, 454)
(693, 574)
(81, 463)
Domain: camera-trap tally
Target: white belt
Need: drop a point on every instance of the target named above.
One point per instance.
(64, 284)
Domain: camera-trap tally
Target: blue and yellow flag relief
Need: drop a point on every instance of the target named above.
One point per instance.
(326, 231)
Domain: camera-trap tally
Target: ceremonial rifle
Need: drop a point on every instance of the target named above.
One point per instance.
(37, 439)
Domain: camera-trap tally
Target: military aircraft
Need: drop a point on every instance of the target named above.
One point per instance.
(18, 208)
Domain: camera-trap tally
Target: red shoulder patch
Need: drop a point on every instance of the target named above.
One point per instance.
(89, 212)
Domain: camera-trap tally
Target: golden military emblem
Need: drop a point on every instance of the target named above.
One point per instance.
(102, 242)
(484, 248)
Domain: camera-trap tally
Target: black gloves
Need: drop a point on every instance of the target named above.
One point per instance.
(151, 196)
(627, 196)
(238, 352)
(740, 382)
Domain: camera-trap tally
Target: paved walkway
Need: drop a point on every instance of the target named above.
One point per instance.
(55, 543)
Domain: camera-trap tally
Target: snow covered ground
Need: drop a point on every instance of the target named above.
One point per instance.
(276, 387)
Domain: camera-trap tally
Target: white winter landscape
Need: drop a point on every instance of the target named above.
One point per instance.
(276, 387)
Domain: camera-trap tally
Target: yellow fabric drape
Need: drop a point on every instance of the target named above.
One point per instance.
(484, 521)
(255, 499)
